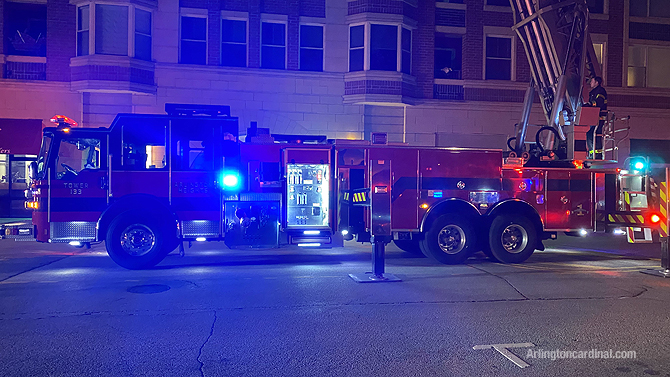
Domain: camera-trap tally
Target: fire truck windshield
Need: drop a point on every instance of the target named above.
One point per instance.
(43, 156)
(75, 155)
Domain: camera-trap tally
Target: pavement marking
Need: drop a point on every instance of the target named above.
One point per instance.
(503, 349)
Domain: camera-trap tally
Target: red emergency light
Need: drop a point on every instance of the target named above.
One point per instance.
(655, 218)
(63, 121)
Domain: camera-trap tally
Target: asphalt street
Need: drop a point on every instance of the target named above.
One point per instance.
(295, 312)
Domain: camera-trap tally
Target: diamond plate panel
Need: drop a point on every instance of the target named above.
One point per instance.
(72, 231)
(194, 228)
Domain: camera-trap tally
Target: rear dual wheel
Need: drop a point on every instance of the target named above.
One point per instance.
(512, 239)
(451, 239)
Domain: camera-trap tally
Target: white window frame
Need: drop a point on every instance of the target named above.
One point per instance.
(275, 20)
(366, 38)
(512, 53)
(603, 39)
(606, 7)
(367, 44)
(153, 22)
(195, 13)
(399, 67)
(131, 25)
(323, 44)
(648, 17)
(90, 32)
(235, 16)
(646, 45)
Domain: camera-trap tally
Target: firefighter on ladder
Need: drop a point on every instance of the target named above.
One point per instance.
(597, 98)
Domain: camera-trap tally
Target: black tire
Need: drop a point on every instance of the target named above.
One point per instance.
(410, 246)
(512, 238)
(136, 240)
(486, 249)
(451, 239)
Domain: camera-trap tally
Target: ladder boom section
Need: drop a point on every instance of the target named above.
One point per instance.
(555, 37)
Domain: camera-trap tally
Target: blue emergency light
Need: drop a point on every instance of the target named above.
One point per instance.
(640, 164)
(230, 180)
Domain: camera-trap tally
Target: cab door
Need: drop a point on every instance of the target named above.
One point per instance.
(79, 186)
(197, 160)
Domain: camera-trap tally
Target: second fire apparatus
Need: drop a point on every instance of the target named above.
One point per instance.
(150, 182)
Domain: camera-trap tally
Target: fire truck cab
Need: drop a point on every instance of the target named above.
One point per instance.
(140, 185)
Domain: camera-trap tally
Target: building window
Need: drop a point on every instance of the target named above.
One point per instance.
(273, 45)
(649, 8)
(105, 30)
(498, 58)
(500, 3)
(311, 48)
(25, 29)
(448, 57)
(234, 43)
(142, 34)
(193, 40)
(406, 51)
(383, 47)
(599, 49)
(82, 30)
(647, 67)
(378, 47)
(111, 29)
(596, 6)
(356, 48)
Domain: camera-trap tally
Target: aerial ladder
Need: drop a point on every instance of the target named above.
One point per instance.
(556, 39)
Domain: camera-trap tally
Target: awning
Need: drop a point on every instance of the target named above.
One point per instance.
(20, 136)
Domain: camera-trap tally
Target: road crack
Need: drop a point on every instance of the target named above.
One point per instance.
(35, 268)
(211, 332)
(500, 277)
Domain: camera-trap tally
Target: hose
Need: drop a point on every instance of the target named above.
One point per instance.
(537, 136)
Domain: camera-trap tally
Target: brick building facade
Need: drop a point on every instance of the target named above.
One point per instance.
(447, 73)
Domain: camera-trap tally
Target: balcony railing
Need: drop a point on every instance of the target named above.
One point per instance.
(25, 71)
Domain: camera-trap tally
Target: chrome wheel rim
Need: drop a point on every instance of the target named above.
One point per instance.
(137, 240)
(451, 239)
(514, 239)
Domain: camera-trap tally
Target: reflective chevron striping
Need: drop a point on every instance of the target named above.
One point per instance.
(663, 208)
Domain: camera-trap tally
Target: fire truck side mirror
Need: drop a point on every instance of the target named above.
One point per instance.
(32, 170)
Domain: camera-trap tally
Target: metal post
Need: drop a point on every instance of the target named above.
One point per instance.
(665, 253)
(378, 257)
(665, 261)
(665, 256)
(380, 213)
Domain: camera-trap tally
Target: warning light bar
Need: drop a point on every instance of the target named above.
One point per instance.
(62, 121)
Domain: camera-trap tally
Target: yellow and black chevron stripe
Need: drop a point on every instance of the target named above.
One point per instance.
(359, 197)
(663, 210)
(626, 219)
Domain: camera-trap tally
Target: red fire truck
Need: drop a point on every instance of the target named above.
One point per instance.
(150, 182)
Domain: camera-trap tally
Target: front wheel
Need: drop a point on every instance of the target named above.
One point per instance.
(450, 240)
(512, 238)
(136, 241)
